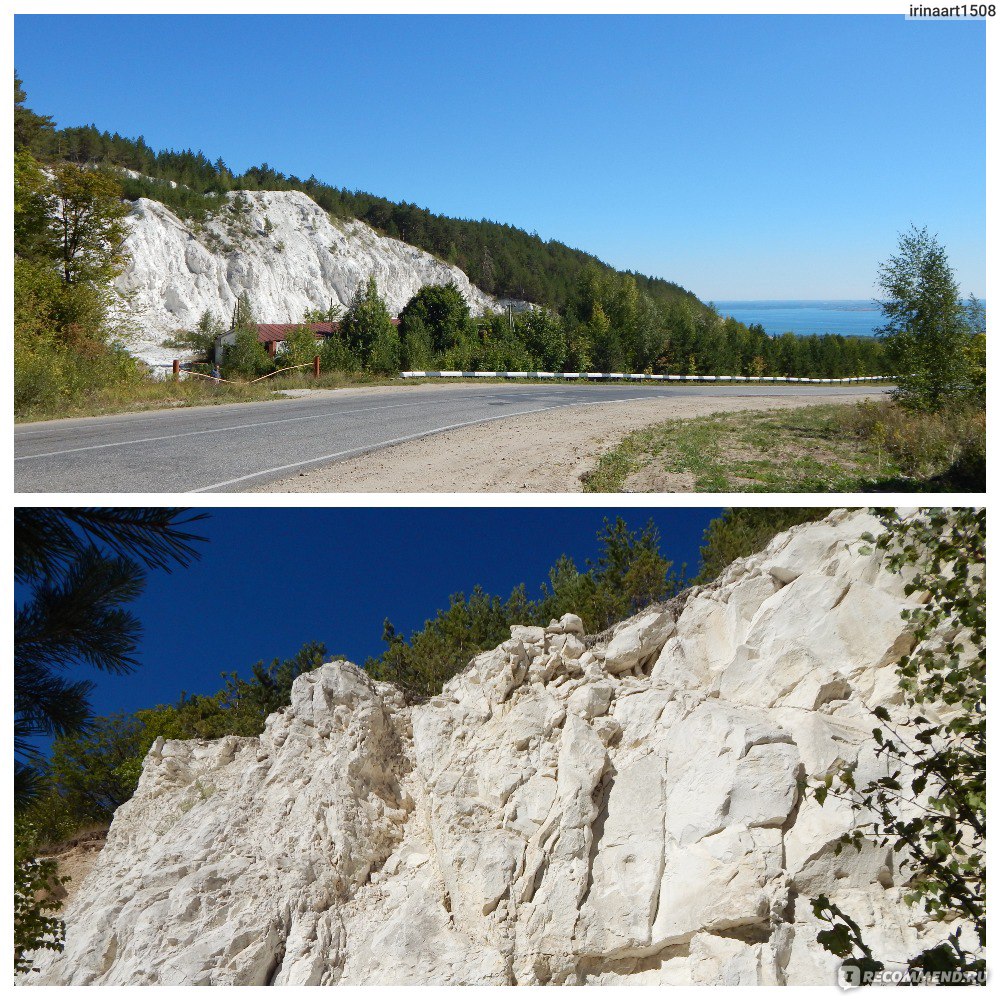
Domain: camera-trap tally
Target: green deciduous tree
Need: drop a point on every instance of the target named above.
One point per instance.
(543, 336)
(246, 357)
(927, 329)
(441, 311)
(418, 344)
(95, 770)
(502, 349)
(931, 805)
(605, 344)
(89, 225)
(386, 357)
(35, 926)
(68, 245)
(34, 236)
(324, 314)
(91, 772)
(201, 340)
(336, 356)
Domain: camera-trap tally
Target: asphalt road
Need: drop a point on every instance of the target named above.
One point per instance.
(231, 447)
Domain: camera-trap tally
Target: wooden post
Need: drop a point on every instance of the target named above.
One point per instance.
(316, 366)
(177, 369)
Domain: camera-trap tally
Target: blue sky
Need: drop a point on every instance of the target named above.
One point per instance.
(271, 579)
(746, 157)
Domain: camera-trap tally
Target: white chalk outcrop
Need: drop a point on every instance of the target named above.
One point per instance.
(278, 247)
(565, 811)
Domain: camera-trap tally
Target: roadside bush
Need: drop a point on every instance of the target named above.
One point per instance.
(336, 356)
(48, 374)
(201, 340)
(386, 356)
(504, 351)
(439, 311)
(924, 444)
(418, 347)
(968, 472)
(246, 358)
(300, 348)
(976, 353)
(63, 349)
(465, 356)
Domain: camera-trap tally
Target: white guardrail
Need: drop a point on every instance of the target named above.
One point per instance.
(643, 378)
(599, 375)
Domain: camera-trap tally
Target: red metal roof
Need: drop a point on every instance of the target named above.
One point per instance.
(272, 333)
(275, 333)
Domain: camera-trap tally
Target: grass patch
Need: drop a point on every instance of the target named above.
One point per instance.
(863, 447)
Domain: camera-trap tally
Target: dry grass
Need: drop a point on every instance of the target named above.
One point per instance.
(864, 447)
(924, 446)
(161, 394)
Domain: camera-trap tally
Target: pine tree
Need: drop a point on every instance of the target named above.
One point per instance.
(368, 328)
(80, 568)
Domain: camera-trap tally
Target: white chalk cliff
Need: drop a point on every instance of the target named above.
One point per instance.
(281, 249)
(568, 810)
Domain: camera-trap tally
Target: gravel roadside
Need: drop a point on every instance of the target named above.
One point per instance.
(537, 453)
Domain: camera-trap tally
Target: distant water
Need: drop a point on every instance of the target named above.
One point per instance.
(857, 317)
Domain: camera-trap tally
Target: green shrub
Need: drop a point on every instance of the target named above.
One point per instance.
(336, 356)
(418, 347)
(201, 340)
(48, 375)
(386, 356)
(246, 358)
(300, 348)
(34, 900)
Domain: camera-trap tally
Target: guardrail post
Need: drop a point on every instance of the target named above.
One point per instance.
(177, 369)
(316, 366)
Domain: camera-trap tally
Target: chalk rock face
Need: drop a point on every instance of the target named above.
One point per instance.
(280, 248)
(566, 811)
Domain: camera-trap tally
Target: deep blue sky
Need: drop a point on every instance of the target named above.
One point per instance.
(271, 579)
(746, 157)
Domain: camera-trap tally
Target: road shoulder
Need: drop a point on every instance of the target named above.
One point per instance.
(536, 453)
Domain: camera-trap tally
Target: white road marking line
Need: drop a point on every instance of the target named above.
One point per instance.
(400, 440)
(220, 430)
(391, 406)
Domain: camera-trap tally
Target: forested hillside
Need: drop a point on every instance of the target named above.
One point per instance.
(502, 260)
(594, 318)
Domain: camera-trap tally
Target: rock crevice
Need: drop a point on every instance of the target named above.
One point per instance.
(569, 810)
